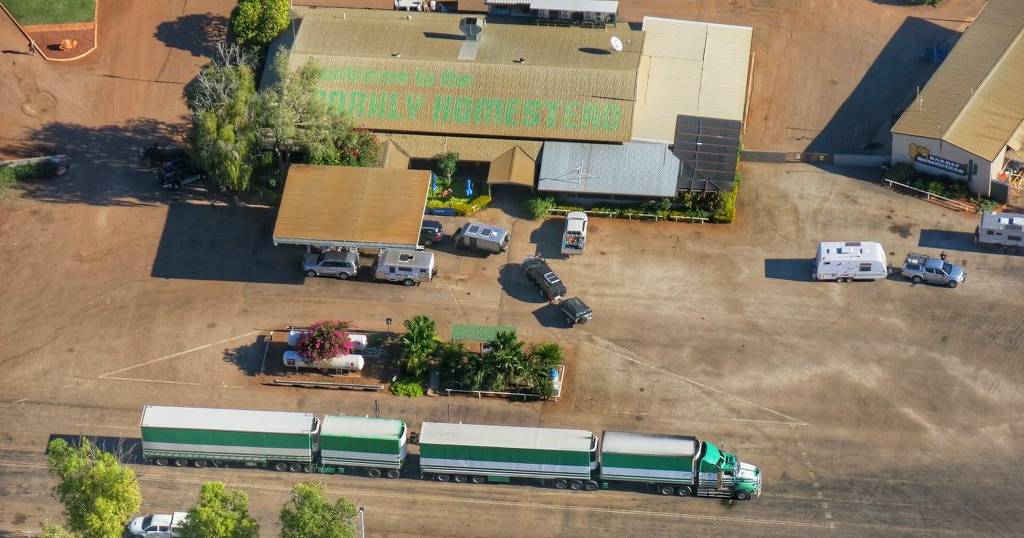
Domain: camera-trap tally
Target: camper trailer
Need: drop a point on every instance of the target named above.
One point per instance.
(482, 237)
(406, 266)
(1001, 231)
(846, 261)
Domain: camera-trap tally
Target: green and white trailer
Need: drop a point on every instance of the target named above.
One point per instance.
(199, 437)
(480, 453)
(376, 444)
(677, 464)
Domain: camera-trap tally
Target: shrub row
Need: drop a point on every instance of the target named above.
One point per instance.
(11, 174)
(462, 206)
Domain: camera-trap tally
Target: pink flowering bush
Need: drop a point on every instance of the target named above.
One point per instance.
(325, 340)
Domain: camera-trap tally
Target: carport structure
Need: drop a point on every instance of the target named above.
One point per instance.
(352, 207)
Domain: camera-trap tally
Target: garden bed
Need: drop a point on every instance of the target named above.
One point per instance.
(947, 191)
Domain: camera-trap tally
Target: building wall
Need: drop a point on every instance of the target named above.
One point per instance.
(941, 154)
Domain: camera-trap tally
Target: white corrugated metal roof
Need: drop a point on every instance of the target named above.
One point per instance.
(630, 169)
(651, 444)
(232, 420)
(590, 6)
(691, 69)
(441, 433)
(381, 428)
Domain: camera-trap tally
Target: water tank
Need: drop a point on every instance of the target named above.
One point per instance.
(293, 337)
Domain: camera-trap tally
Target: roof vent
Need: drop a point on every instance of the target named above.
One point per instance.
(471, 28)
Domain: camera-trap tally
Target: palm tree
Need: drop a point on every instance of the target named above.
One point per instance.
(505, 360)
(418, 344)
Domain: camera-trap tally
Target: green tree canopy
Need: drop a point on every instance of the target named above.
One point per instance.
(311, 515)
(220, 513)
(99, 494)
(418, 344)
(256, 22)
(221, 100)
(505, 354)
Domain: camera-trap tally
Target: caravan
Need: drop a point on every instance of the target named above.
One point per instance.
(846, 261)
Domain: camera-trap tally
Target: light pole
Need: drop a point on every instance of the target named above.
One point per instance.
(362, 519)
(388, 321)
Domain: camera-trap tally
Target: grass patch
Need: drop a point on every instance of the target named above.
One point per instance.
(10, 175)
(29, 12)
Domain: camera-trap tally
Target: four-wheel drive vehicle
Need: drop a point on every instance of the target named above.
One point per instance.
(537, 271)
(336, 263)
(482, 237)
(574, 238)
(921, 268)
(158, 525)
(431, 232)
(178, 173)
(576, 311)
(406, 266)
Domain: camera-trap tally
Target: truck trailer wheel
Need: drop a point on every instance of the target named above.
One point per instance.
(392, 473)
(576, 485)
(294, 467)
(199, 463)
(478, 479)
(684, 491)
(280, 466)
(442, 477)
(561, 483)
(591, 485)
(161, 461)
(181, 463)
(460, 478)
(742, 496)
(373, 473)
(665, 489)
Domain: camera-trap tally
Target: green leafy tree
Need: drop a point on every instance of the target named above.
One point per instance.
(311, 515)
(418, 345)
(221, 99)
(541, 359)
(56, 531)
(539, 208)
(506, 360)
(257, 22)
(446, 163)
(220, 513)
(99, 494)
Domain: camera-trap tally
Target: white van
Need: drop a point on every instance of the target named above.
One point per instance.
(846, 261)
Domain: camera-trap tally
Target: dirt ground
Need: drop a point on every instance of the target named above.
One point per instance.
(877, 408)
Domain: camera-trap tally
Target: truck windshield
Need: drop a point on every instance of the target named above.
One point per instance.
(146, 521)
(947, 268)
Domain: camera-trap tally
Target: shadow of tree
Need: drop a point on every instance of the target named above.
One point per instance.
(249, 358)
(196, 33)
(105, 162)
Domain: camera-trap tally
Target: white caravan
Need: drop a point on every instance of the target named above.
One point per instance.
(845, 261)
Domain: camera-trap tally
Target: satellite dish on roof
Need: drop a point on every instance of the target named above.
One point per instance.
(616, 44)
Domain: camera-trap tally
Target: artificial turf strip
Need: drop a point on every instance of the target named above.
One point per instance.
(30, 12)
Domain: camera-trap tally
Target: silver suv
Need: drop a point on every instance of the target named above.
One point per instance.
(920, 268)
(341, 264)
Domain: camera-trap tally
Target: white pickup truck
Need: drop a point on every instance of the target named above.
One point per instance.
(574, 239)
(158, 525)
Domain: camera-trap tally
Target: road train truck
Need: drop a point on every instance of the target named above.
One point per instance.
(671, 464)
(283, 441)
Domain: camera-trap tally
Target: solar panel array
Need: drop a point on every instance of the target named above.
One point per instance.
(707, 150)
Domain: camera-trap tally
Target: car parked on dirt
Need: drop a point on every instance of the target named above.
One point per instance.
(176, 174)
(431, 232)
(336, 263)
(158, 525)
(537, 271)
(576, 311)
(922, 268)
